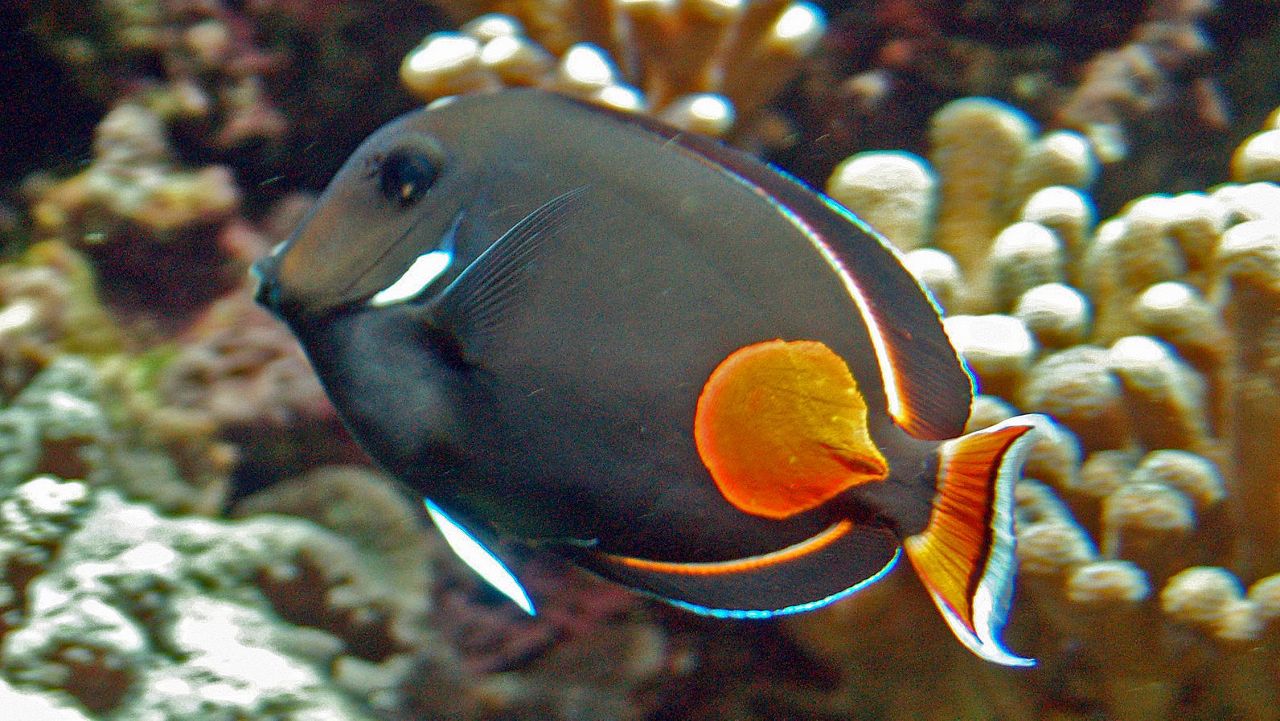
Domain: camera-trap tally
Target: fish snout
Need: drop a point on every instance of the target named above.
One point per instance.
(267, 292)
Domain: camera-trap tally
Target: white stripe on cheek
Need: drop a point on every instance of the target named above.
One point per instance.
(425, 269)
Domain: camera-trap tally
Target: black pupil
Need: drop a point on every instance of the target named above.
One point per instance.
(406, 176)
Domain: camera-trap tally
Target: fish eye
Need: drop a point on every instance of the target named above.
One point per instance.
(404, 176)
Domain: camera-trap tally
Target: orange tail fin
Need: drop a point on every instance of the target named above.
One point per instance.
(965, 555)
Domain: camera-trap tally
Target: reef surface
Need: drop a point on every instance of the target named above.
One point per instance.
(1090, 190)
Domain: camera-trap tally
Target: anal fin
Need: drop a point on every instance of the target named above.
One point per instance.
(824, 568)
(965, 556)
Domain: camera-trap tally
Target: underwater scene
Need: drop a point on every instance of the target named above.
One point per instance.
(639, 360)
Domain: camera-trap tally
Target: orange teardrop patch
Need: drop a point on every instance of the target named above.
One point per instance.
(782, 428)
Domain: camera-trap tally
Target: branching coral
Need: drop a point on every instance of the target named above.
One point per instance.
(699, 64)
(1156, 80)
(1151, 340)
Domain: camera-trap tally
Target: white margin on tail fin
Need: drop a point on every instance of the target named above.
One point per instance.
(991, 599)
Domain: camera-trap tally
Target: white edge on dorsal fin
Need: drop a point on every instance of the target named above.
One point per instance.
(888, 373)
(481, 560)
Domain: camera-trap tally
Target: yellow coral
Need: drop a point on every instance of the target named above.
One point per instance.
(1153, 339)
(701, 65)
(134, 183)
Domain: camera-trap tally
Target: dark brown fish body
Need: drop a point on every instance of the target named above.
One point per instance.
(557, 392)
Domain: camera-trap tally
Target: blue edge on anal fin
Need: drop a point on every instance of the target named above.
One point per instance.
(761, 614)
(800, 583)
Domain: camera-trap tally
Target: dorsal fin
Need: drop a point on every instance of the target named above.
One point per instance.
(928, 388)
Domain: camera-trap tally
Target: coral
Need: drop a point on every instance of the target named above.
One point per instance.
(373, 514)
(27, 705)
(997, 347)
(703, 65)
(588, 654)
(1147, 520)
(1258, 158)
(478, 657)
(49, 305)
(157, 235)
(1055, 313)
(1148, 547)
(896, 191)
(70, 403)
(213, 67)
(151, 227)
(282, 90)
(989, 164)
(69, 420)
(239, 370)
(1155, 68)
(112, 609)
(1167, 84)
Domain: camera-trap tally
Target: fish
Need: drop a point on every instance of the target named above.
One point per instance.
(576, 331)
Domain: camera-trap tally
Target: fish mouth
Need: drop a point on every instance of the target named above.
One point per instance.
(266, 292)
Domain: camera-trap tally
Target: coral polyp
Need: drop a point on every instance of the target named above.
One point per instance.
(698, 64)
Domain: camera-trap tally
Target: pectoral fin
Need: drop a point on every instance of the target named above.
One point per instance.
(477, 303)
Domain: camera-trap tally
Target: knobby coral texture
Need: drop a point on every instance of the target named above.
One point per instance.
(1147, 549)
(1089, 190)
(703, 65)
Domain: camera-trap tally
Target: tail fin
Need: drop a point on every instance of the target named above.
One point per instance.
(965, 555)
